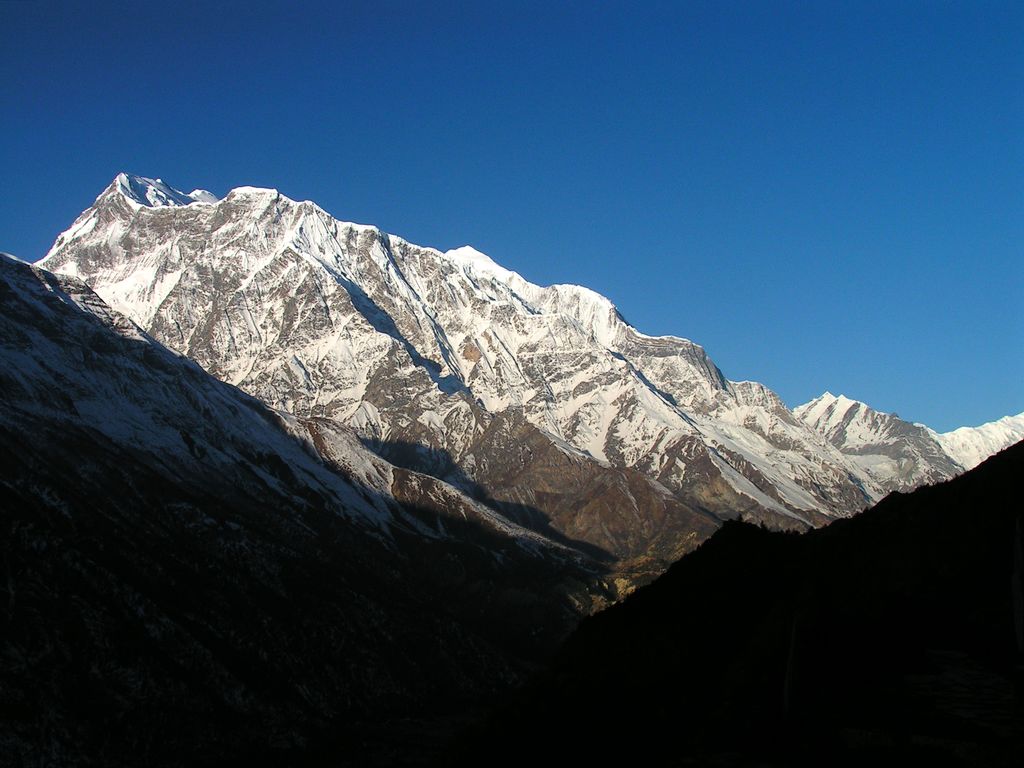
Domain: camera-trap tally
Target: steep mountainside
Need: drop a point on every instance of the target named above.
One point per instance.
(896, 454)
(893, 638)
(435, 358)
(193, 578)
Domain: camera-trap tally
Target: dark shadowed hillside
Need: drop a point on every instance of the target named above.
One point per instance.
(190, 578)
(887, 638)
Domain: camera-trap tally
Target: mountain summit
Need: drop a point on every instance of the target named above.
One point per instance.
(153, 193)
(896, 454)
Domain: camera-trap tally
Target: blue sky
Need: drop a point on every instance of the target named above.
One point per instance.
(824, 195)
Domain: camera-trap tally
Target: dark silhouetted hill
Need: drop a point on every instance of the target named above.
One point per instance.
(890, 638)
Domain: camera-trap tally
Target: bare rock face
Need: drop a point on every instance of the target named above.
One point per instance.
(539, 402)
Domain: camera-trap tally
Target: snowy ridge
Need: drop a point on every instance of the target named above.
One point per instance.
(848, 422)
(143, 417)
(972, 445)
(472, 260)
(154, 193)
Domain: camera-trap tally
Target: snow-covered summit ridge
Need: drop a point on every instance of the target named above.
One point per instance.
(482, 264)
(203, 196)
(322, 317)
(895, 453)
(972, 445)
(469, 257)
(155, 193)
(828, 410)
(595, 312)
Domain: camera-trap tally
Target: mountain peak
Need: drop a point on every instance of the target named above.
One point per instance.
(840, 399)
(203, 196)
(247, 191)
(468, 256)
(827, 407)
(155, 193)
(895, 453)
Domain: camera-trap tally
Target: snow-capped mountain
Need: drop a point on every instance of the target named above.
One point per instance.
(970, 446)
(541, 402)
(896, 454)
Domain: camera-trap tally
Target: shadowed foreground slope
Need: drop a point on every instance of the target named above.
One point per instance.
(887, 638)
(185, 580)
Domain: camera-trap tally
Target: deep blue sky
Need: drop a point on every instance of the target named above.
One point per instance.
(826, 196)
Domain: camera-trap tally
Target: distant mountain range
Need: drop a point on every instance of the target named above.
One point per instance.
(540, 403)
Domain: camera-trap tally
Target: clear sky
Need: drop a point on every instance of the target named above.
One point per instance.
(824, 195)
